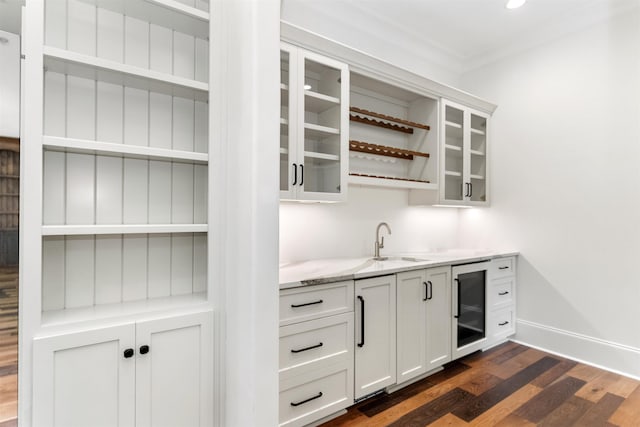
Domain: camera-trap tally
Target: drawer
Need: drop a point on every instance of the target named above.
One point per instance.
(501, 293)
(502, 267)
(315, 396)
(312, 302)
(317, 342)
(502, 323)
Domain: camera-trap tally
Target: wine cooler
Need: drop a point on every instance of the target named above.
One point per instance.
(469, 331)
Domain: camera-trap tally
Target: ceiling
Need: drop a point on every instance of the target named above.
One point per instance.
(467, 31)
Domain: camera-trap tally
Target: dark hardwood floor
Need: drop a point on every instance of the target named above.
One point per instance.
(508, 385)
(8, 346)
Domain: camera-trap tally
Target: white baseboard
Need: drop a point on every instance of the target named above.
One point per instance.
(614, 357)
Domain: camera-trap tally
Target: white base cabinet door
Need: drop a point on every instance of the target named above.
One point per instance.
(424, 325)
(84, 379)
(375, 335)
(151, 373)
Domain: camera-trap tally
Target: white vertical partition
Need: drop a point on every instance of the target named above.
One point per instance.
(109, 112)
(109, 173)
(181, 264)
(110, 35)
(136, 116)
(134, 270)
(136, 42)
(79, 271)
(159, 192)
(80, 201)
(135, 191)
(108, 269)
(159, 268)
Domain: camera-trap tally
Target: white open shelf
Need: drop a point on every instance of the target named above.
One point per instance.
(167, 13)
(391, 183)
(91, 67)
(319, 131)
(477, 131)
(453, 147)
(122, 309)
(453, 173)
(84, 146)
(322, 156)
(317, 102)
(453, 124)
(79, 230)
(480, 177)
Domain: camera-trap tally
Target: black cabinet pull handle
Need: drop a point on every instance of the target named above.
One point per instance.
(430, 289)
(361, 343)
(470, 189)
(128, 353)
(306, 348)
(503, 293)
(317, 396)
(426, 291)
(503, 267)
(457, 315)
(503, 323)
(295, 174)
(301, 174)
(144, 349)
(306, 304)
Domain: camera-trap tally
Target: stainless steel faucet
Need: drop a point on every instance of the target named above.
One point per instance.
(380, 241)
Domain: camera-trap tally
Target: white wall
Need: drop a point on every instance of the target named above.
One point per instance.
(566, 189)
(309, 231)
(9, 84)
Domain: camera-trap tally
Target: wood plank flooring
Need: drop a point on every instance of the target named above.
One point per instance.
(506, 386)
(8, 346)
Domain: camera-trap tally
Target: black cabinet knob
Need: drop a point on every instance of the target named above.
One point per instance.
(128, 353)
(144, 349)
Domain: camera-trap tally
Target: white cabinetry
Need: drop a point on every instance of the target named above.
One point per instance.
(116, 203)
(149, 373)
(375, 336)
(501, 299)
(316, 352)
(423, 321)
(314, 126)
(464, 167)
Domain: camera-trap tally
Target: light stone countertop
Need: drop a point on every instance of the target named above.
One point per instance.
(319, 271)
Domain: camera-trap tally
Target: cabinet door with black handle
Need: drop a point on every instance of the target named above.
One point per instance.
(375, 359)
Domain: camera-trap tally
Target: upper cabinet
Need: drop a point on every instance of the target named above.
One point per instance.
(392, 136)
(464, 155)
(313, 126)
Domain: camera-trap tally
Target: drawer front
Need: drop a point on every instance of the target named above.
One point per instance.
(316, 342)
(315, 398)
(312, 302)
(502, 323)
(502, 267)
(502, 293)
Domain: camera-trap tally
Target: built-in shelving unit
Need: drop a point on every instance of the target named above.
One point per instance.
(391, 142)
(124, 156)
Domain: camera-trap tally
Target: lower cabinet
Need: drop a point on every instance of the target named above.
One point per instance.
(501, 300)
(423, 321)
(316, 352)
(150, 373)
(375, 334)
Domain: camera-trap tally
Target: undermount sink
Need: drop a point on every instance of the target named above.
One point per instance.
(403, 258)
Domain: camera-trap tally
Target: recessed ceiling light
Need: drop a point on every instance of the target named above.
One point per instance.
(514, 4)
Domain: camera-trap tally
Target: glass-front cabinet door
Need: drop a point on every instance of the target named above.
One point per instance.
(464, 162)
(314, 126)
